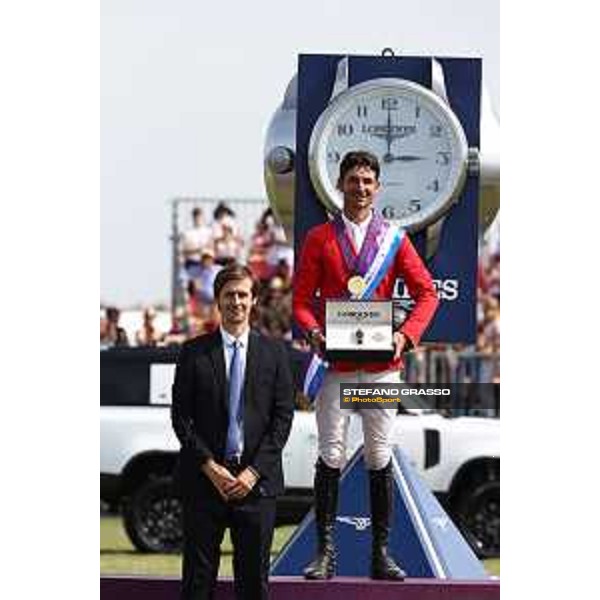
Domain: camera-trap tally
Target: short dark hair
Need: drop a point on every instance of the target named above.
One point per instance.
(234, 272)
(196, 211)
(359, 158)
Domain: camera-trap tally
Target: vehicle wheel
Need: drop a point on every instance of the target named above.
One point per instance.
(153, 517)
(478, 516)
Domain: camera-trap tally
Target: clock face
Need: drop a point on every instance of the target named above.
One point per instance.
(420, 144)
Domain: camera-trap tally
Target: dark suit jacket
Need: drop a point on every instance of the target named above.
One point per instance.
(199, 411)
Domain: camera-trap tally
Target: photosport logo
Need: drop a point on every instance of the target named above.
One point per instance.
(364, 394)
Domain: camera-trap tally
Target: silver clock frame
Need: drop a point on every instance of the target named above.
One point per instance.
(317, 153)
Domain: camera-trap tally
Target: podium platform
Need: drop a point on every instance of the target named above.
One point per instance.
(296, 588)
(423, 538)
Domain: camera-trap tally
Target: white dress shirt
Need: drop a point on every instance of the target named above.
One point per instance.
(357, 231)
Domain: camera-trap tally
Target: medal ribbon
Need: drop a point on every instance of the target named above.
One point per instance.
(359, 263)
(381, 263)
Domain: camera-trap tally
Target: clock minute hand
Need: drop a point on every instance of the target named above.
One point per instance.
(389, 138)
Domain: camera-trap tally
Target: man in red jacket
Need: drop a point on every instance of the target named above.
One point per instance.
(333, 254)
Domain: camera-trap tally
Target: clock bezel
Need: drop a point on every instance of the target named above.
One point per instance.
(317, 153)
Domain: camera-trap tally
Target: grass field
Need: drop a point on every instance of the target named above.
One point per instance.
(118, 556)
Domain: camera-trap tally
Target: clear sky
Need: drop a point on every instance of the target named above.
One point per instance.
(188, 89)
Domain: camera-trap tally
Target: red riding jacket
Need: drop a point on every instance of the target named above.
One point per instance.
(322, 267)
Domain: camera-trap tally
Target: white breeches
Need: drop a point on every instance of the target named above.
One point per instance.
(332, 420)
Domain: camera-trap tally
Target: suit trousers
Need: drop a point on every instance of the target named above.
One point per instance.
(251, 522)
(332, 420)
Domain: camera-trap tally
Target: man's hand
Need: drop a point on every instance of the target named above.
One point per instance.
(220, 477)
(400, 342)
(241, 486)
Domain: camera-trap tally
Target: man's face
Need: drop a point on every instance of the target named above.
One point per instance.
(235, 302)
(359, 188)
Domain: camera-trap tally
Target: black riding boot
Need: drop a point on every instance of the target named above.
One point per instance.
(382, 565)
(326, 498)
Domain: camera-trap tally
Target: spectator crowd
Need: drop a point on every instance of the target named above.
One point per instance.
(204, 249)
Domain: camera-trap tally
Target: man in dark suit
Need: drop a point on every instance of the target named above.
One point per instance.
(232, 412)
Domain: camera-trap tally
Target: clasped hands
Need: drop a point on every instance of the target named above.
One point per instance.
(228, 486)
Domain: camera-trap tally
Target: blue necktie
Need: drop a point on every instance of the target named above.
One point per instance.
(234, 430)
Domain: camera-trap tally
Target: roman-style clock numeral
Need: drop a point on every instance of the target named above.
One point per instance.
(417, 111)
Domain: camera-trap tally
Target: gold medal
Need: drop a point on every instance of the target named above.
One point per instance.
(356, 285)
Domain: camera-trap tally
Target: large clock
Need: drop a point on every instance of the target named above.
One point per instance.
(420, 144)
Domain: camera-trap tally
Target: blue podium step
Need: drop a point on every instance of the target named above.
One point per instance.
(423, 539)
